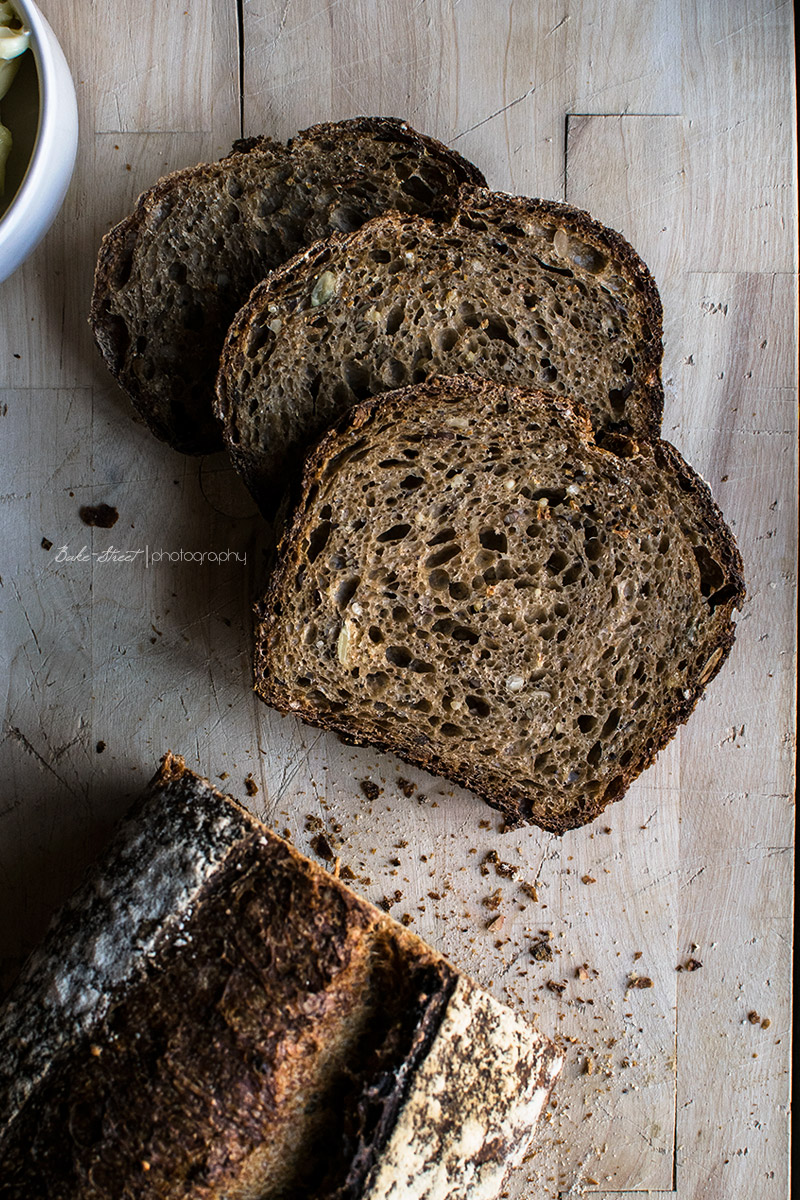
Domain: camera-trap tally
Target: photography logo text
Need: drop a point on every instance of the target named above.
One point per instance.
(148, 557)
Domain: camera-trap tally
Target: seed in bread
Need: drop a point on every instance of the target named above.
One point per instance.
(171, 276)
(469, 581)
(519, 291)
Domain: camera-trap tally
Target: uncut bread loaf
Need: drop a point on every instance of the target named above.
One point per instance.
(515, 290)
(469, 581)
(171, 276)
(212, 1015)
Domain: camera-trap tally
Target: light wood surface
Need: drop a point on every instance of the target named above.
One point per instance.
(670, 120)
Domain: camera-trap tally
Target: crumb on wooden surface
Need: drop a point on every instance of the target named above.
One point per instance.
(99, 516)
(541, 950)
(503, 869)
(322, 847)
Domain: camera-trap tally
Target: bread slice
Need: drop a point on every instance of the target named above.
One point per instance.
(514, 290)
(214, 1015)
(471, 582)
(171, 276)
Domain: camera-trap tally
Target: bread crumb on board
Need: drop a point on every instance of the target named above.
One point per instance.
(99, 516)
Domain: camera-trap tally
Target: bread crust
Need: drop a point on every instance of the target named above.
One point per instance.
(514, 802)
(178, 406)
(248, 391)
(212, 1013)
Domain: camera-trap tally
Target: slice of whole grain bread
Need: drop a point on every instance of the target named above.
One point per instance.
(512, 289)
(471, 582)
(171, 276)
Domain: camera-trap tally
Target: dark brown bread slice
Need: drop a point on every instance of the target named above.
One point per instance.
(214, 1015)
(471, 582)
(171, 276)
(515, 290)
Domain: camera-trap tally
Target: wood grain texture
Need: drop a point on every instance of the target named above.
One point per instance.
(671, 121)
(740, 114)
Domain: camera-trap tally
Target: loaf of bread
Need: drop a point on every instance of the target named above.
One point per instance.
(213, 1015)
(519, 291)
(171, 276)
(470, 581)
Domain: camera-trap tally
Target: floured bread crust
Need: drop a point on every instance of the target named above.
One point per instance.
(214, 1015)
(472, 1107)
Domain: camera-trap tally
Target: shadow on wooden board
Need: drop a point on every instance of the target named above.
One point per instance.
(47, 869)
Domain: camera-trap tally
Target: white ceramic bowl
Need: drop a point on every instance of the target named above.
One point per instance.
(46, 179)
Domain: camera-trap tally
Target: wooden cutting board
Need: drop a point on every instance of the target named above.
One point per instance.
(672, 122)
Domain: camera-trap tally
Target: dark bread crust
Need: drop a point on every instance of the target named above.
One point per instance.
(254, 1028)
(271, 412)
(162, 343)
(722, 588)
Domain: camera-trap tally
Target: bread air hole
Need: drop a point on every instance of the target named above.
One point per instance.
(572, 574)
(490, 539)
(398, 656)
(497, 329)
(462, 633)
(395, 534)
(617, 398)
(317, 540)
(357, 378)
(346, 591)
(418, 190)
(502, 569)
(347, 218)
(611, 723)
(557, 562)
(395, 318)
(445, 339)
(712, 576)
(595, 754)
(394, 373)
(442, 556)
(377, 682)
